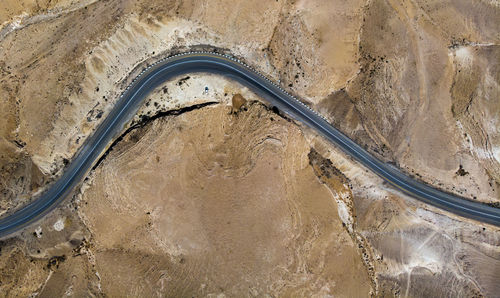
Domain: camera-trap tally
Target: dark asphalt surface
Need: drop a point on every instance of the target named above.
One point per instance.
(169, 68)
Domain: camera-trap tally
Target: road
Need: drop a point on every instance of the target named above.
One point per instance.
(201, 62)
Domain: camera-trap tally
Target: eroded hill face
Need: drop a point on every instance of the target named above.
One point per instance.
(414, 82)
(235, 208)
(211, 201)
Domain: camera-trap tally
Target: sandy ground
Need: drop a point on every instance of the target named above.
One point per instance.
(415, 82)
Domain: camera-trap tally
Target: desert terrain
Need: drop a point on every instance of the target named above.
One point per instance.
(211, 192)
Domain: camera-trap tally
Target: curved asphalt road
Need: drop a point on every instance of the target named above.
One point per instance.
(166, 69)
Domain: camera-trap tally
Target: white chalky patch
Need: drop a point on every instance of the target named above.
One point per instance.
(38, 232)
(496, 153)
(464, 54)
(59, 225)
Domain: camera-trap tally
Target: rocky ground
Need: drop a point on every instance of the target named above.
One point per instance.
(212, 192)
